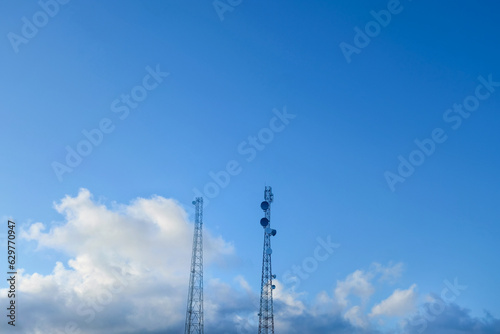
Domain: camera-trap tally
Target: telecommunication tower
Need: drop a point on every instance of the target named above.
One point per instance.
(266, 316)
(194, 314)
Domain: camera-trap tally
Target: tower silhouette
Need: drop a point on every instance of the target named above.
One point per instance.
(194, 314)
(266, 316)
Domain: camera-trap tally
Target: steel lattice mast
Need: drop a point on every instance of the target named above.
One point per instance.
(194, 314)
(266, 316)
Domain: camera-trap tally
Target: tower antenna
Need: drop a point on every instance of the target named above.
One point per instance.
(266, 316)
(194, 314)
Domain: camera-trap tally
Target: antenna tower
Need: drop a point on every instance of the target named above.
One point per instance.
(194, 314)
(266, 316)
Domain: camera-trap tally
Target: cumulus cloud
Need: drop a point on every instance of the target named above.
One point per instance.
(400, 303)
(357, 284)
(361, 285)
(360, 282)
(453, 319)
(128, 269)
(390, 273)
(290, 300)
(357, 317)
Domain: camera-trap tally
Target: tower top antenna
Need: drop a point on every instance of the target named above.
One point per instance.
(266, 314)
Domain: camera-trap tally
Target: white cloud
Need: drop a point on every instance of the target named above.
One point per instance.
(130, 262)
(388, 273)
(324, 304)
(357, 284)
(452, 320)
(400, 303)
(289, 298)
(356, 317)
(128, 273)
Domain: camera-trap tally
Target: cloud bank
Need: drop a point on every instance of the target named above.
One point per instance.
(128, 270)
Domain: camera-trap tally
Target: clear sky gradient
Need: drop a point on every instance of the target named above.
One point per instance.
(356, 104)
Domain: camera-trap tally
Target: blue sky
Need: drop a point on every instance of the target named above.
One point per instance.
(350, 118)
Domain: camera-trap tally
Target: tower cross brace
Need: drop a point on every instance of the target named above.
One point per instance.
(194, 314)
(266, 315)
